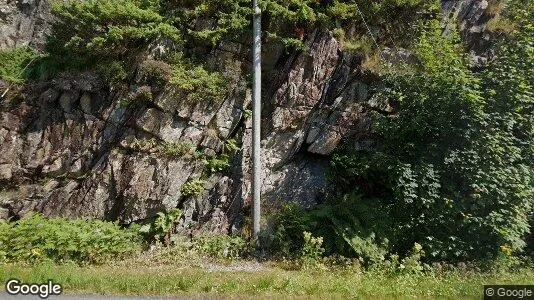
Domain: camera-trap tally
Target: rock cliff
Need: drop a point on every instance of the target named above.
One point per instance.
(70, 147)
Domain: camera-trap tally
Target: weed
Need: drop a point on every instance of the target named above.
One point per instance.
(197, 83)
(176, 150)
(163, 226)
(312, 251)
(193, 188)
(217, 164)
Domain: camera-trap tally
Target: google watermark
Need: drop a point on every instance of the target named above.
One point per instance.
(509, 292)
(16, 287)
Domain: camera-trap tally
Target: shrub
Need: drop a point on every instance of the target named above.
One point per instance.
(16, 64)
(410, 264)
(36, 238)
(113, 72)
(193, 188)
(288, 223)
(104, 35)
(198, 84)
(104, 29)
(353, 227)
(455, 161)
(155, 72)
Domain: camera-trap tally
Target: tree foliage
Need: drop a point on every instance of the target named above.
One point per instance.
(106, 29)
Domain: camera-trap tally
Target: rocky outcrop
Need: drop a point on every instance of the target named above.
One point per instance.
(319, 100)
(73, 147)
(24, 22)
(471, 18)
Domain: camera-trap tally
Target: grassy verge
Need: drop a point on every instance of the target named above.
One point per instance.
(131, 279)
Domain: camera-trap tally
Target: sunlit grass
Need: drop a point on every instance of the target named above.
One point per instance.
(124, 279)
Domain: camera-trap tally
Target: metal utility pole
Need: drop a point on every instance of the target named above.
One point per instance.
(256, 118)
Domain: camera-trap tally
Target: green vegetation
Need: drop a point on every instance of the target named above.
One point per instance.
(105, 30)
(289, 224)
(113, 72)
(450, 179)
(435, 181)
(289, 22)
(128, 278)
(162, 228)
(439, 180)
(231, 146)
(217, 164)
(222, 246)
(15, 64)
(193, 188)
(109, 35)
(312, 251)
(36, 239)
(176, 150)
(208, 265)
(196, 83)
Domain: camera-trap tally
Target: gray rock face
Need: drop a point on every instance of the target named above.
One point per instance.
(81, 153)
(72, 148)
(471, 17)
(23, 22)
(321, 100)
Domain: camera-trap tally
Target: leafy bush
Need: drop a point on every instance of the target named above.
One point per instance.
(409, 264)
(36, 238)
(353, 227)
(455, 161)
(193, 188)
(288, 223)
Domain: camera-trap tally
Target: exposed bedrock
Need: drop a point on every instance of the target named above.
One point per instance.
(72, 148)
